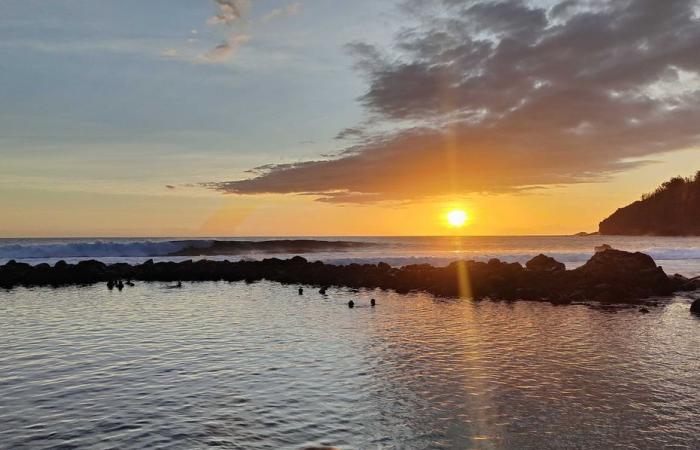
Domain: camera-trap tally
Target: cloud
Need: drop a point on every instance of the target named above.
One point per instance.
(230, 17)
(225, 50)
(501, 96)
(170, 53)
(229, 11)
(278, 13)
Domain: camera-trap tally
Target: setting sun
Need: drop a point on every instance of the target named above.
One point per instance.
(457, 218)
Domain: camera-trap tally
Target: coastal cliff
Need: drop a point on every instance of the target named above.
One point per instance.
(673, 209)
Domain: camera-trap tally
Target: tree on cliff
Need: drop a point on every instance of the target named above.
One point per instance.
(673, 209)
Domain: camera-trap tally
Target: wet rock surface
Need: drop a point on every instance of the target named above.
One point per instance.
(695, 307)
(610, 276)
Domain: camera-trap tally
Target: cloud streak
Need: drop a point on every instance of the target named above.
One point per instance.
(279, 13)
(225, 50)
(501, 96)
(229, 13)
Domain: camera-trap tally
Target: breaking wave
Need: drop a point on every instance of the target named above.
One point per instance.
(195, 247)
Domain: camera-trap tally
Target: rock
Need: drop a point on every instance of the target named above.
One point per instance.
(351, 304)
(695, 307)
(543, 263)
(602, 248)
(643, 310)
(692, 284)
(611, 276)
(630, 273)
(383, 267)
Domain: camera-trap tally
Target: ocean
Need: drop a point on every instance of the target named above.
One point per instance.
(675, 254)
(258, 366)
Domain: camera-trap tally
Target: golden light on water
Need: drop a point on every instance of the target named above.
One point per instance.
(457, 218)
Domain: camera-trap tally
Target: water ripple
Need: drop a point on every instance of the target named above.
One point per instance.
(257, 366)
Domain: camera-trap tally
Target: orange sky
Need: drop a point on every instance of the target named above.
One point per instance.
(191, 212)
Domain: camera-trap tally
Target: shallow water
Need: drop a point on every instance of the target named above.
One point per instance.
(260, 367)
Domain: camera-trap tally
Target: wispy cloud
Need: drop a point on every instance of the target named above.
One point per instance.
(229, 14)
(503, 95)
(279, 13)
(225, 50)
(229, 11)
(232, 19)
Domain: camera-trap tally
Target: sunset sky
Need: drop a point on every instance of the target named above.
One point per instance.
(329, 117)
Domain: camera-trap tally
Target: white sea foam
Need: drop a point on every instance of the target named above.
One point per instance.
(395, 251)
(94, 249)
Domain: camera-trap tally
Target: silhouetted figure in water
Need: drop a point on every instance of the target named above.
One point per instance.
(351, 304)
(372, 303)
(179, 284)
(322, 291)
(110, 284)
(129, 283)
(301, 291)
(120, 285)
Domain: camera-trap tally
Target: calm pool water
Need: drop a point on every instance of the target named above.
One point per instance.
(260, 367)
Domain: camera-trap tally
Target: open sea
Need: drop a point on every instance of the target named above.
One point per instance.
(258, 366)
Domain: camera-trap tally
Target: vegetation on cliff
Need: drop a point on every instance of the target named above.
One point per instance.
(673, 209)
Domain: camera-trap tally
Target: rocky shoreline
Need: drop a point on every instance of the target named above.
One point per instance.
(610, 276)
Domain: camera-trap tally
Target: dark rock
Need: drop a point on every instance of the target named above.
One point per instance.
(643, 310)
(692, 284)
(695, 307)
(543, 263)
(631, 274)
(611, 276)
(383, 267)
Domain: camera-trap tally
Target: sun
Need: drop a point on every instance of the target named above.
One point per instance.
(457, 218)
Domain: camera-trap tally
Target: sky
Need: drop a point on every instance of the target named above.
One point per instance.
(329, 117)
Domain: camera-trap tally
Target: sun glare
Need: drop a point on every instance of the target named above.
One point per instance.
(457, 218)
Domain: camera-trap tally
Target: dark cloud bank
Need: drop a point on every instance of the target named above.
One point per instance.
(503, 96)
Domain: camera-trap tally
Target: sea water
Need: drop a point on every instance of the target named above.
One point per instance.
(258, 366)
(675, 254)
